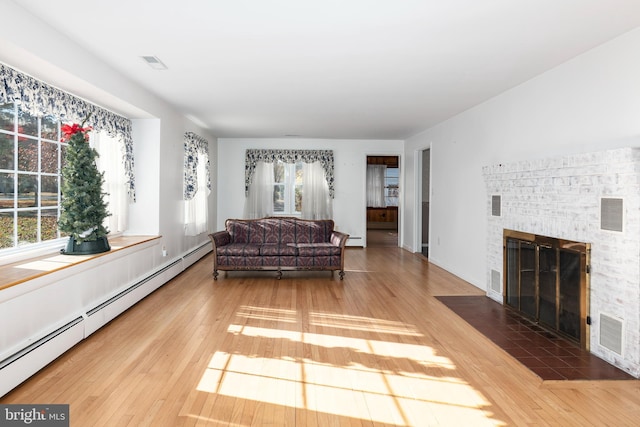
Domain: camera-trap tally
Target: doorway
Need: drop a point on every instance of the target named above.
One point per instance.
(425, 201)
(383, 194)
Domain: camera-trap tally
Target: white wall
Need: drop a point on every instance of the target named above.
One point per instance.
(588, 104)
(350, 158)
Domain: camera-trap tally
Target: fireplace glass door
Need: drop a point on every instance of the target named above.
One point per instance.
(545, 280)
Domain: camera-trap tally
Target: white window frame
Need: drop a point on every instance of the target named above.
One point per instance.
(39, 174)
(289, 183)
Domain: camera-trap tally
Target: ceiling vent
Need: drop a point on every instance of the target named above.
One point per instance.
(154, 62)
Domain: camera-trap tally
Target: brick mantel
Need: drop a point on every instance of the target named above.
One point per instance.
(561, 197)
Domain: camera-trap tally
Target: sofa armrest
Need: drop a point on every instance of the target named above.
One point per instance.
(339, 239)
(220, 238)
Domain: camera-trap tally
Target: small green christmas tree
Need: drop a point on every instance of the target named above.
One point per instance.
(83, 206)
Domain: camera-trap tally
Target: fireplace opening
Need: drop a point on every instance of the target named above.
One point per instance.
(546, 280)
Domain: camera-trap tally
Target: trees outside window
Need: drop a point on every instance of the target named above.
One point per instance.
(31, 158)
(287, 188)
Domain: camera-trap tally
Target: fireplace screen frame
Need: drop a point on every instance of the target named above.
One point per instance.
(548, 245)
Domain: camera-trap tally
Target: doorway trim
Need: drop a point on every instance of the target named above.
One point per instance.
(417, 217)
(401, 181)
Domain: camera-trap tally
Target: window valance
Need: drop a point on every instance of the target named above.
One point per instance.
(39, 99)
(194, 144)
(253, 156)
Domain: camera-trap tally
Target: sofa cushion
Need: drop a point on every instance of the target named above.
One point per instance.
(317, 249)
(278, 250)
(239, 249)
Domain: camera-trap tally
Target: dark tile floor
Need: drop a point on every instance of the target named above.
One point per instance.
(549, 356)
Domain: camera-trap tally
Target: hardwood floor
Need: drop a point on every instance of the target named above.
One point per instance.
(377, 238)
(376, 348)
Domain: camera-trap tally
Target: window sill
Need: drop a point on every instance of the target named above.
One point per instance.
(30, 268)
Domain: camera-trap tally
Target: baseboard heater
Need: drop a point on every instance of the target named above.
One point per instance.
(33, 346)
(133, 287)
(190, 257)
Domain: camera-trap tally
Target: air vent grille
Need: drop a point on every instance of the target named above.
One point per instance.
(611, 333)
(154, 62)
(495, 281)
(611, 214)
(495, 205)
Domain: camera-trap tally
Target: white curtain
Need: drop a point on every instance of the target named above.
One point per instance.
(259, 201)
(110, 161)
(375, 186)
(316, 201)
(196, 211)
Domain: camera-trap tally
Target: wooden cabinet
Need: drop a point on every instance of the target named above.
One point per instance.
(388, 214)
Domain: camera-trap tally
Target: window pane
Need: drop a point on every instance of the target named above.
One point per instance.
(6, 117)
(27, 191)
(6, 230)
(392, 172)
(298, 174)
(298, 207)
(49, 224)
(278, 198)
(27, 124)
(6, 191)
(6, 151)
(49, 157)
(27, 155)
(49, 191)
(27, 227)
(49, 128)
(278, 172)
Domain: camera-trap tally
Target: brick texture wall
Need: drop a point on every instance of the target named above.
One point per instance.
(561, 197)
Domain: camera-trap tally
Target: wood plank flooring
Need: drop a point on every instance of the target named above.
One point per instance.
(375, 349)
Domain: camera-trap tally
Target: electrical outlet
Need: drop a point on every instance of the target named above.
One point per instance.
(164, 251)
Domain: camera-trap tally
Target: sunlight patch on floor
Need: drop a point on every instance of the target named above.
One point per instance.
(362, 388)
(420, 354)
(359, 323)
(264, 313)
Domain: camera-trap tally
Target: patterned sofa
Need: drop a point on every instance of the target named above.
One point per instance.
(278, 243)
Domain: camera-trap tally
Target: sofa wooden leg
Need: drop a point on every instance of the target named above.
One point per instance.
(279, 274)
(215, 274)
(341, 274)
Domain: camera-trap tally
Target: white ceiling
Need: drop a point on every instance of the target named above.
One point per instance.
(375, 69)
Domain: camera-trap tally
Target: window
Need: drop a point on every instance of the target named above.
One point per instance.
(287, 188)
(391, 186)
(197, 184)
(31, 157)
(31, 161)
(196, 210)
(274, 182)
(110, 164)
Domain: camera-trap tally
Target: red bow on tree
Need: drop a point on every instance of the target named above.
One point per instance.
(69, 130)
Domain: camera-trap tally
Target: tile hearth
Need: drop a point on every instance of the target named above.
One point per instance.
(549, 356)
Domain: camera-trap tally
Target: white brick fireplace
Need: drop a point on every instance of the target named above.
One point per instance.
(577, 197)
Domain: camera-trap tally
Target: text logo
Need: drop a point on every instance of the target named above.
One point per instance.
(34, 415)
